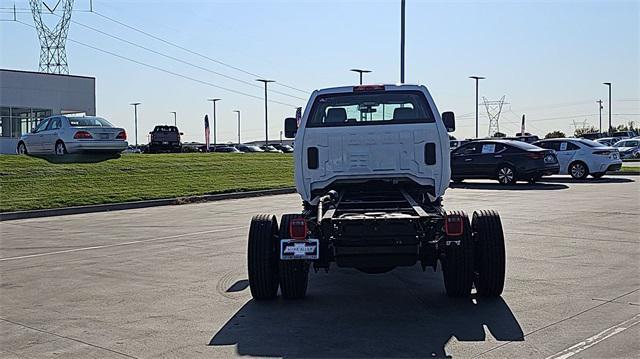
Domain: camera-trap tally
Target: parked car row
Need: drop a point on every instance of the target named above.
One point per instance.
(509, 161)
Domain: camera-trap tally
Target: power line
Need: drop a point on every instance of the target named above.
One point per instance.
(180, 60)
(191, 51)
(167, 71)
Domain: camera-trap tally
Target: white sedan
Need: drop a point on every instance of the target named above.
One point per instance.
(65, 134)
(580, 157)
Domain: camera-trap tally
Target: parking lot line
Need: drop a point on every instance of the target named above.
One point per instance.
(591, 341)
(119, 244)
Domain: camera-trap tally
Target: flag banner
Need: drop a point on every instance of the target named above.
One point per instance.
(298, 115)
(206, 131)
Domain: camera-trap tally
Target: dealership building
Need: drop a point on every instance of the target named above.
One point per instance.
(28, 97)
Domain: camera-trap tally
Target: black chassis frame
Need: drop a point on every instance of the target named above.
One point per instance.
(376, 226)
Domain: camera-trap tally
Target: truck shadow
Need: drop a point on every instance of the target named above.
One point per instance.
(539, 186)
(403, 313)
(79, 158)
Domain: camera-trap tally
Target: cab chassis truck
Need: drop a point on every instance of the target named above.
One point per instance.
(372, 198)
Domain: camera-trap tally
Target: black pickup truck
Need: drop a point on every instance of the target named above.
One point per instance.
(165, 139)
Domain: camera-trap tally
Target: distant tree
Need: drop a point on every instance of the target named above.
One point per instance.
(581, 131)
(629, 126)
(499, 134)
(555, 134)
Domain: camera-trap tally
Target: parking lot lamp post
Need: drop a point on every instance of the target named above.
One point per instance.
(213, 101)
(402, 6)
(266, 118)
(608, 84)
(238, 112)
(361, 71)
(477, 78)
(175, 118)
(135, 119)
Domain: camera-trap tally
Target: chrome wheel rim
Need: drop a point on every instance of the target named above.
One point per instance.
(59, 149)
(577, 170)
(505, 175)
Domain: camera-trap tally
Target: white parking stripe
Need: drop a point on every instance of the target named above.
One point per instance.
(119, 244)
(603, 335)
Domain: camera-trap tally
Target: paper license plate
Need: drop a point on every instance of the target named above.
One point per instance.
(293, 249)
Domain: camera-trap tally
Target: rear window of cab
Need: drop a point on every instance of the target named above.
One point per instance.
(372, 108)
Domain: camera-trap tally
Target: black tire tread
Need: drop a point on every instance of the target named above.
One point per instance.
(490, 259)
(293, 274)
(457, 266)
(261, 257)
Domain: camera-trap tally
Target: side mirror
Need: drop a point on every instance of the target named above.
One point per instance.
(449, 120)
(290, 127)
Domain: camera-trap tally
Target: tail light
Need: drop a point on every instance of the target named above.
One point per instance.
(453, 225)
(82, 135)
(364, 88)
(602, 153)
(298, 228)
(122, 135)
(535, 155)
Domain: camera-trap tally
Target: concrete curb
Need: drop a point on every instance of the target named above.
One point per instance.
(8, 216)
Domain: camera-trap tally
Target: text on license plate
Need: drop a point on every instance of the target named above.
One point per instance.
(292, 249)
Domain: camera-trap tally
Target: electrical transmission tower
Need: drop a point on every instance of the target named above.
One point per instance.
(53, 55)
(494, 108)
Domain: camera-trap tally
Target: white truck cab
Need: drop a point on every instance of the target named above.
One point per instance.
(363, 133)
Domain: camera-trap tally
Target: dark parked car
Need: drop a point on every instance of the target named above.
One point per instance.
(283, 148)
(503, 160)
(165, 139)
(226, 149)
(248, 148)
(270, 148)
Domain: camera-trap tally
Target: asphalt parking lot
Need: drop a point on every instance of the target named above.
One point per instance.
(171, 282)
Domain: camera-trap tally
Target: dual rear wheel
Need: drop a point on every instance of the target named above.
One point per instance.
(475, 258)
(267, 272)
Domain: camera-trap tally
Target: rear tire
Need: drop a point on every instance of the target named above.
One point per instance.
(22, 149)
(60, 149)
(262, 258)
(293, 274)
(457, 264)
(578, 170)
(490, 259)
(535, 179)
(506, 175)
(598, 175)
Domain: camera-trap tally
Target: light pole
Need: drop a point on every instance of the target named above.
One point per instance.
(599, 102)
(175, 118)
(402, 41)
(266, 117)
(361, 71)
(135, 119)
(213, 101)
(238, 112)
(477, 78)
(608, 84)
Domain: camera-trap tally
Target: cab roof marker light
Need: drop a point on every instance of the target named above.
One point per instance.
(363, 88)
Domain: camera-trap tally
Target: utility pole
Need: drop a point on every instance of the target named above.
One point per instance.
(266, 117)
(175, 118)
(280, 137)
(361, 71)
(477, 78)
(402, 6)
(238, 112)
(214, 100)
(135, 119)
(609, 85)
(599, 102)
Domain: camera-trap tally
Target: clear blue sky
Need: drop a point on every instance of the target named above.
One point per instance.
(548, 58)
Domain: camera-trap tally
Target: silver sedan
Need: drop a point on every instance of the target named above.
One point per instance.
(66, 134)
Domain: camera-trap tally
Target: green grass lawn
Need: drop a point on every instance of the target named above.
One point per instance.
(630, 167)
(33, 183)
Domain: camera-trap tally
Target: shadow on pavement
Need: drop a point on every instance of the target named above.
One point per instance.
(404, 313)
(79, 158)
(514, 187)
(572, 180)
